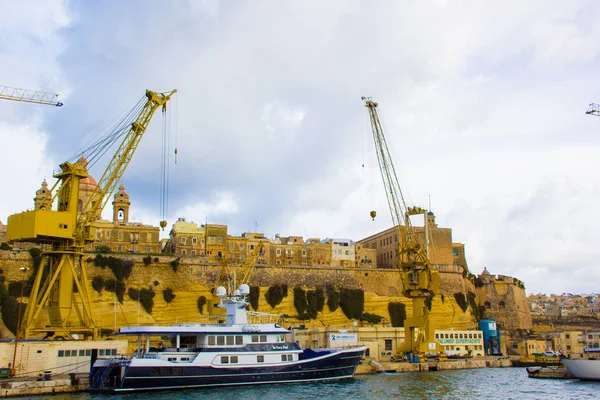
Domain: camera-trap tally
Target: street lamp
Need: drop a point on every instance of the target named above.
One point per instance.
(13, 369)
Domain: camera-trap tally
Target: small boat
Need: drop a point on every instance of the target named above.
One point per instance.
(587, 368)
(549, 372)
(206, 355)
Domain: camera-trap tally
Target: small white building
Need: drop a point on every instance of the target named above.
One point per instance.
(60, 357)
(461, 343)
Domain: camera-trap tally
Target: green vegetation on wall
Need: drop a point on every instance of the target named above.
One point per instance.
(275, 294)
(352, 302)
(144, 296)
(254, 296)
(98, 284)
(371, 318)
(333, 298)
(397, 314)
(477, 310)
(120, 268)
(147, 260)
(300, 302)
(316, 302)
(201, 303)
(117, 287)
(175, 264)
(461, 300)
(168, 295)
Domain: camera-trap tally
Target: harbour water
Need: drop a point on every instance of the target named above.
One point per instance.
(484, 383)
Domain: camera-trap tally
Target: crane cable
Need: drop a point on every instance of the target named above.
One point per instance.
(164, 168)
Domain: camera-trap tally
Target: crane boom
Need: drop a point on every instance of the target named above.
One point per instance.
(29, 96)
(594, 109)
(419, 280)
(119, 162)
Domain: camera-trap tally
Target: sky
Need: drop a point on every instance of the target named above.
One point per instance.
(482, 104)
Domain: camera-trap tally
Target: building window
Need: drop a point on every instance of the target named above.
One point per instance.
(211, 239)
(278, 252)
(347, 252)
(193, 252)
(119, 249)
(220, 240)
(183, 240)
(120, 235)
(278, 262)
(251, 247)
(241, 246)
(147, 249)
(184, 252)
(388, 344)
(487, 305)
(454, 252)
(501, 305)
(303, 253)
(194, 240)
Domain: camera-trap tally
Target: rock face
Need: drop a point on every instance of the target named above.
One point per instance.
(189, 280)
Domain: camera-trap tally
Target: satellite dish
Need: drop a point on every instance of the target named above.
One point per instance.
(236, 293)
(221, 291)
(244, 289)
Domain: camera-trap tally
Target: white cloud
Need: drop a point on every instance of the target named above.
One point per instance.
(482, 105)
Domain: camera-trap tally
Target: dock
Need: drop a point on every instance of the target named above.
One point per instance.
(372, 366)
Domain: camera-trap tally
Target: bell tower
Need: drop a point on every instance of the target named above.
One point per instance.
(121, 205)
(43, 197)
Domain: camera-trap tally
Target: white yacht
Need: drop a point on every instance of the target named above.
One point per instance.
(234, 353)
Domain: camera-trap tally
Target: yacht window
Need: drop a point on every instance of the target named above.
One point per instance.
(263, 338)
(211, 340)
(239, 340)
(233, 359)
(230, 340)
(254, 338)
(260, 359)
(220, 340)
(224, 360)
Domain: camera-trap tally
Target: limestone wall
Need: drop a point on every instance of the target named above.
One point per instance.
(192, 280)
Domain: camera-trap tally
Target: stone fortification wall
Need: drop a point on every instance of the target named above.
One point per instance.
(192, 280)
(505, 301)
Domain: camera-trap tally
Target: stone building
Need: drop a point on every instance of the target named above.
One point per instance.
(342, 252)
(122, 235)
(440, 246)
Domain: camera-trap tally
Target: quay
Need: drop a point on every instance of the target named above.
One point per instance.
(372, 366)
(47, 385)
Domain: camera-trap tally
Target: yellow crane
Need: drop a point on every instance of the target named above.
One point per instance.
(419, 280)
(243, 272)
(67, 230)
(29, 96)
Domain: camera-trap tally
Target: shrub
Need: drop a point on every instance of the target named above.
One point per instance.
(201, 303)
(5, 246)
(275, 294)
(98, 284)
(254, 296)
(352, 302)
(147, 260)
(397, 314)
(443, 297)
(478, 311)
(156, 283)
(175, 264)
(300, 302)
(461, 300)
(479, 282)
(371, 318)
(333, 298)
(168, 295)
(155, 259)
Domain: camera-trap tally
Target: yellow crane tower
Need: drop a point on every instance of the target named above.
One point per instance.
(29, 96)
(67, 230)
(419, 280)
